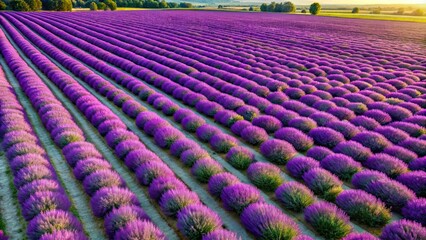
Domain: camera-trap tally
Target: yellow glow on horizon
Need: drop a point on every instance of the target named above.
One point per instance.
(375, 2)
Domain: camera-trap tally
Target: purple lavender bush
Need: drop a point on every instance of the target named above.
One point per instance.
(403, 230)
(277, 151)
(265, 176)
(194, 221)
(139, 229)
(415, 210)
(323, 183)
(364, 208)
(328, 220)
(174, 200)
(341, 165)
(205, 168)
(265, 222)
(326, 137)
(219, 181)
(386, 164)
(294, 196)
(300, 165)
(240, 157)
(392, 193)
(299, 140)
(238, 196)
(415, 180)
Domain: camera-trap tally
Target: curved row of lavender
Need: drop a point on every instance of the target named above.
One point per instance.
(175, 199)
(110, 198)
(167, 137)
(352, 168)
(340, 120)
(40, 194)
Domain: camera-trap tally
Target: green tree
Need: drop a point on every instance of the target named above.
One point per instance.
(93, 6)
(185, 5)
(19, 5)
(34, 5)
(173, 5)
(355, 10)
(418, 12)
(219, 7)
(264, 7)
(303, 11)
(2, 5)
(58, 5)
(289, 7)
(102, 6)
(111, 4)
(400, 11)
(271, 7)
(315, 8)
(163, 4)
(376, 11)
(251, 9)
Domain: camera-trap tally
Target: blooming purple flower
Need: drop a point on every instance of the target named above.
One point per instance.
(403, 230)
(265, 176)
(277, 151)
(386, 164)
(120, 217)
(206, 132)
(139, 229)
(172, 201)
(299, 165)
(364, 178)
(52, 221)
(166, 136)
(181, 145)
(299, 140)
(326, 137)
(197, 220)
(418, 164)
(237, 197)
(100, 179)
(254, 135)
(265, 221)
(360, 236)
(391, 192)
(341, 165)
(328, 220)
(415, 180)
(323, 183)
(294, 196)
(363, 207)
(375, 141)
(138, 157)
(149, 171)
(415, 210)
(221, 234)
(318, 153)
(205, 168)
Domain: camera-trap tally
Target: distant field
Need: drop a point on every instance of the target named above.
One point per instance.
(365, 15)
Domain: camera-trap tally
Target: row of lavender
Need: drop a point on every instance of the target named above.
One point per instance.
(111, 200)
(283, 133)
(189, 125)
(40, 194)
(167, 137)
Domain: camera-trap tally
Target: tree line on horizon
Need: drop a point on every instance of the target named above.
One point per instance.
(289, 7)
(67, 5)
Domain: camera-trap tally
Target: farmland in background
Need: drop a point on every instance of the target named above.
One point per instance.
(211, 125)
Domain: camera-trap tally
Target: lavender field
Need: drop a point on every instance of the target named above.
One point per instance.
(212, 126)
